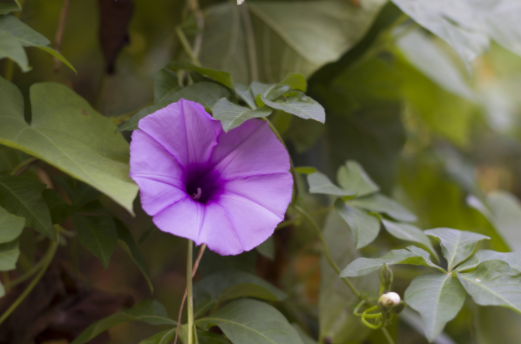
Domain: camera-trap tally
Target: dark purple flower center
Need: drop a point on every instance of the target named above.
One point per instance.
(202, 183)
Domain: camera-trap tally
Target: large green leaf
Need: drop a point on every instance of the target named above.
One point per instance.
(494, 283)
(19, 34)
(287, 38)
(364, 266)
(351, 176)
(365, 227)
(97, 234)
(231, 115)
(11, 226)
(298, 104)
(9, 253)
(232, 284)
(151, 312)
(511, 258)
(320, 183)
(438, 298)
(253, 322)
(383, 204)
(409, 232)
(23, 197)
(163, 337)
(505, 216)
(456, 245)
(66, 132)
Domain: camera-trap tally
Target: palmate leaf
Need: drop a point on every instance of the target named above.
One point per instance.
(22, 196)
(409, 232)
(298, 104)
(231, 115)
(511, 258)
(456, 245)
(98, 234)
(383, 204)
(252, 321)
(351, 176)
(365, 226)
(66, 132)
(11, 226)
(320, 183)
(438, 298)
(494, 283)
(222, 77)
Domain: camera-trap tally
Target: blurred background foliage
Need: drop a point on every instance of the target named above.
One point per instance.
(439, 137)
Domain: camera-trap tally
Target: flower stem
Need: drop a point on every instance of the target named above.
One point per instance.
(387, 335)
(190, 306)
(49, 255)
(326, 250)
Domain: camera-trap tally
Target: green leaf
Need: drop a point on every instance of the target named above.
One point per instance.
(305, 170)
(351, 176)
(128, 242)
(222, 77)
(166, 80)
(69, 134)
(9, 253)
(151, 312)
(267, 248)
(58, 56)
(365, 227)
(511, 258)
(98, 235)
(60, 210)
(231, 115)
(505, 216)
(456, 245)
(232, 284)
(494, 283)
(163, 337)
(22, 196)
(306, 339)
(292, 82)
(8, 8)
(364, 266)
(320, 183)
(438, 298)
(298, 104)
(206, 337)
(2, 290)
(205, 93)
(383, 204)
(11, 226)
(11, 47)
(245, 93)
(253, 321)
(408, 232)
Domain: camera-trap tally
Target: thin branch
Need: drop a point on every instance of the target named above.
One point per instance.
(59, 32)
(250, 42)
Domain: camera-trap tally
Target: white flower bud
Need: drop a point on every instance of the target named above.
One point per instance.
(389, 300)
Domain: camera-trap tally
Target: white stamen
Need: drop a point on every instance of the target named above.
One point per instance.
(197, 195)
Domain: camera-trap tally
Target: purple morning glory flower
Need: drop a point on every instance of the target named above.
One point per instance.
(228, 190)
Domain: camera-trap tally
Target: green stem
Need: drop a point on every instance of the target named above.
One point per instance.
(26, 275)
(21, 167)
(186, 46)
(387, 335)
(190, 303)
(326, 250)
(49, 255)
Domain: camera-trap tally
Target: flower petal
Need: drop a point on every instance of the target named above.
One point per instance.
(185, 129)
(250, 149)
(157, 173)
(183, 219)
(218, 232)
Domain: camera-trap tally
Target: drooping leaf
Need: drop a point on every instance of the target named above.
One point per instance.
(232, 284)
(511, 258)
(166, 81)
(364, 266)
(11, 226)
(383, 204)
(408, 232)
(151, 312)
(298, 104)
(126, 237)
(9, 253)
(320, 183)
(438, 298)
(257, 321)
(163, 337)
(69, 134)
(205, 93)
(456, 245)
(494, 283)
(231, 115)
(97, 234)
(351, 176)
(267, 248)
(60, 210)
(22, 196)
(222, 77)
(365, 227)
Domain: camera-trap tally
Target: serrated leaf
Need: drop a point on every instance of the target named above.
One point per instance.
(163, 337)
(97, 234)
(8, 8)
(494, 283)
(205, 93)
(11, 226)
(9, 253)
(126, 237)
(511, 258)
(151, 312)
(69, 134)
(383, 204)
(408, 232)
(166, 80)
(22, 196)
(320, 183)
(456, 245)
(351, 176)
(438, 298)
(364, 266)
(231, 115)
(365, 227)
(257, 321)
(298, 104)
(232, 284)
(220, 76)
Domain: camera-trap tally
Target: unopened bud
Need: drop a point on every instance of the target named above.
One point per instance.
(389, 300)
(386, 277)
